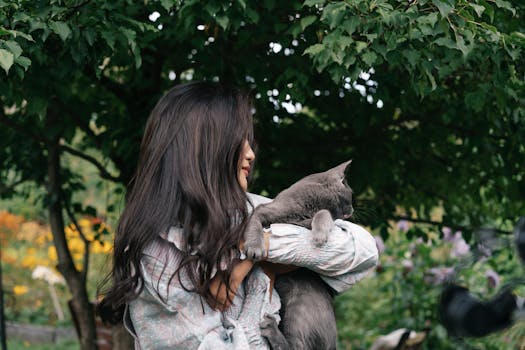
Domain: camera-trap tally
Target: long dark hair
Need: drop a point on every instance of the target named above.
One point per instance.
(186, 175)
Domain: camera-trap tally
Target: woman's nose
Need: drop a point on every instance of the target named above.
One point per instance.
(249, 155)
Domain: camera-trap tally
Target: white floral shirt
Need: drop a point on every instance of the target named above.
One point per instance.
(166, 316)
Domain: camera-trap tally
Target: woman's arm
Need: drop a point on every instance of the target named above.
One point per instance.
(223, 295)
(348, 255)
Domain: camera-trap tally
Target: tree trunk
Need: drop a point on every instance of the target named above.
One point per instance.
(75, 279)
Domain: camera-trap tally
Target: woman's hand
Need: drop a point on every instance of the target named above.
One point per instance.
(224, 296)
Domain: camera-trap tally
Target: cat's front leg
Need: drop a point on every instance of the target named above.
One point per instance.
(270, 330)
(254, 239)
(322, 224)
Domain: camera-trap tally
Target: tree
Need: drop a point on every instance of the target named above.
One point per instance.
(426, 97)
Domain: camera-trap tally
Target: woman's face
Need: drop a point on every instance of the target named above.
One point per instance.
(247, 157)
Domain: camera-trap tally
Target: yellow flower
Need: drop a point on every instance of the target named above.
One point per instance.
(76, 245)
(101, 247)
(20, 290)
(52, 254)
(43, 238)
(29, 261)
(84, 223)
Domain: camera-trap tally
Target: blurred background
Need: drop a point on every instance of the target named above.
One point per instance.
(426, 96)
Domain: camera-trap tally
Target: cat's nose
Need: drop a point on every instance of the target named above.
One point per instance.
(347, 216)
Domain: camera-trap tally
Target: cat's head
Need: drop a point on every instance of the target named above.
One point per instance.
(339, 192)
(344, 192)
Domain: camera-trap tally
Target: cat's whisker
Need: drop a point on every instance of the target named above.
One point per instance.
(362, 213)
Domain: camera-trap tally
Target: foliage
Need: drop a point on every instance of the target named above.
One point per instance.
(405, 289)
(28, 244)
(446, 73)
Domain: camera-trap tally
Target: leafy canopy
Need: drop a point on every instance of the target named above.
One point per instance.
(426, 96)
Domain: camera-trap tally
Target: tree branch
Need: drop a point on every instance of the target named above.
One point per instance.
(19, 128)
(102, 170)
(7, 188)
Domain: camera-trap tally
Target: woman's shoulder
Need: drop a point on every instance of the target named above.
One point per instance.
(257, 199)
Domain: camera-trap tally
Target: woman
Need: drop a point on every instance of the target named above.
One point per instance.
(178, 272)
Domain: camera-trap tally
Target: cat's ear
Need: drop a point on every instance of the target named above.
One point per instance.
(342, 169)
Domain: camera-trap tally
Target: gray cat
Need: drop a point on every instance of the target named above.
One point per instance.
(308, 319)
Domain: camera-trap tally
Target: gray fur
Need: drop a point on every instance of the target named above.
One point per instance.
(308, 319)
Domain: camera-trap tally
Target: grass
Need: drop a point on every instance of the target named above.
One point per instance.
(65, 345)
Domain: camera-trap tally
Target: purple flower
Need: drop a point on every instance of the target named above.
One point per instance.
(402, 225)
(493, 279)
(460, 247)
(438, 275)
(447, 234)
(380, 244)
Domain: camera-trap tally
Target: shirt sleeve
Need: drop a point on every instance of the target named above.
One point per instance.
(348, 255)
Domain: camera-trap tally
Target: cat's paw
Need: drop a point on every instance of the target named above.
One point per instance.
(269, 326)
(254, 247)
(270, 330)
(322, 224)
(320, 237)
(254, 240)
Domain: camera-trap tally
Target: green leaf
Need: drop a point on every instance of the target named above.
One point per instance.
(90, 36)
(310, 3)
(360, 46)
(345, 41)
(109, 37)
(242, 3)
(412, 56)
(446, 42)
(430, 19)
(306, 21)
(460, 44)
(21, 17)
(431, 79)
(61, 28)
(16, 33)
(334, 13)
(252, 15)
(223, 21)
(489, 10)
(13, 46)
(4, 31)
(337, 56)
(6, 59)
(505, 5)
(314, 49)
(130, 35)
(136, 53)
(351, 24)
(23, 61)
(369, 58)
(167, 4)
(478, 8)
(518, 38)
(444, 8)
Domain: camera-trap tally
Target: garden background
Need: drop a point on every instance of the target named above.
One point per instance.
(426, 96)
